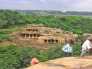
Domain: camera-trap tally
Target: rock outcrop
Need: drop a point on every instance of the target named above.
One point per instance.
(66, 63)
(42, 37)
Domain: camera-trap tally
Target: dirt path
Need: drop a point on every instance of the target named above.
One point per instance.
(65, 63)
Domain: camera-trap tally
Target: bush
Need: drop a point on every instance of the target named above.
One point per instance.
(58, 53)
(12, 57)
(55, 52)
(4, 36)
(77, 49)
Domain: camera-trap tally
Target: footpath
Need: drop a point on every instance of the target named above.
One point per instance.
(65, 63)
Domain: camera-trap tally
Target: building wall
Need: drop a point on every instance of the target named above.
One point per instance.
(42, 36)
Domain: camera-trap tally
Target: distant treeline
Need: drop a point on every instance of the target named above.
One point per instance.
(53, 12)
(76, 24)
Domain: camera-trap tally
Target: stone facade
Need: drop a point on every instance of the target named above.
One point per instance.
(42, 35)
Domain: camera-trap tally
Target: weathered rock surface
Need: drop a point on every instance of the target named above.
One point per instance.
(66, 63)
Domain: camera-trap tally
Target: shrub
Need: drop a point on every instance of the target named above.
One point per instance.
(77, 49)
(55, 52)
(4, 36)
(12, 57)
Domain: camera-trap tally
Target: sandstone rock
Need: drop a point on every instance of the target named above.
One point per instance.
(66, 63)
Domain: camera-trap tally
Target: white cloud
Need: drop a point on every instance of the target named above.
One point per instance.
(43, 1)
(85, 5)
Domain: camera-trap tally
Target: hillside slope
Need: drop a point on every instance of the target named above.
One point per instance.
(76, 24)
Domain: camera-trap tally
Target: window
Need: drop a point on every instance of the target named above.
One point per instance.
(28, 29)
(45, 41)
(50, 41)
(27, 35)
(34, 35)
(56, 41)
(22, 35)
(30, 35)
(35, 30)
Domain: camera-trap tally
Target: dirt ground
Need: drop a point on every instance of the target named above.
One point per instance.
(6, 43)
(66, 63)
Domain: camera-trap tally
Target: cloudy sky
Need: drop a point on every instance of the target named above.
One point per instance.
(74, 5)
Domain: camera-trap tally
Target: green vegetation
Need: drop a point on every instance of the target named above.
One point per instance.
(13, 57)
(57, 51)
(4, 36)
(76, 24)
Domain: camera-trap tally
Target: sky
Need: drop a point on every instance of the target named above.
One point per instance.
(63, 5)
